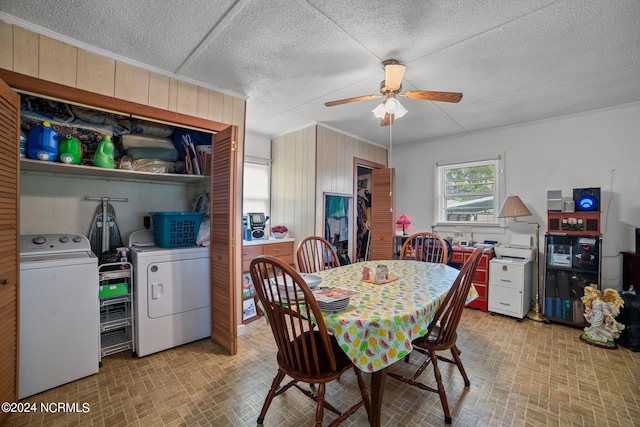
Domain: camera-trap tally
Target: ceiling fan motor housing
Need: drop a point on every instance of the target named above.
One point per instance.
(388, 92)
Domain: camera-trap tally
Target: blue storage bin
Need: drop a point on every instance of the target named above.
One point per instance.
(175, 229)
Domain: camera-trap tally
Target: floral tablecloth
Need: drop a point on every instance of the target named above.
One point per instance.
(382, 319)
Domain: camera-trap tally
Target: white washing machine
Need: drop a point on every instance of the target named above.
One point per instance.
(59, 315)
(171, 292)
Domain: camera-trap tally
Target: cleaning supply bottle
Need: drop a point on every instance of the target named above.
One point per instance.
(42, 143)
(70, 150)
(104, 153)
(23, 144)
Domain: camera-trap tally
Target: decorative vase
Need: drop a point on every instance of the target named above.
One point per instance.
(280, 235)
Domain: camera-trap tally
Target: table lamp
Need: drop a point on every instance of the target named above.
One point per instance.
(514, 208)
(404, 221)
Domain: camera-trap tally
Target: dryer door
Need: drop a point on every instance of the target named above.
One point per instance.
(177, 287)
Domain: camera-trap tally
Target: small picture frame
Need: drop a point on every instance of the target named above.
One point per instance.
(249, 310)
(247, 286)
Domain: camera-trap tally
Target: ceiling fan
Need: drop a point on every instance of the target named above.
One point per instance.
(390, 88)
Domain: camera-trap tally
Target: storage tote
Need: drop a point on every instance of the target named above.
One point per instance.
(175, 229)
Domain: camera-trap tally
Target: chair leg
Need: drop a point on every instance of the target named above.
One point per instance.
(275, 384)
(320, 407)
(456, 356)
(441, 391)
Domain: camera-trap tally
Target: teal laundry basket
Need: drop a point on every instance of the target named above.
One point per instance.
(175, 229)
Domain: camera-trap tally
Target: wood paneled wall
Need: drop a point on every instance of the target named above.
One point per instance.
(308, 163)
(36, 55)
(335, 165)
(293, 182)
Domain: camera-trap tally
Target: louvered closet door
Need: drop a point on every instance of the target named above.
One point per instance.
(9, 149)
(382, 206)
(223, 224)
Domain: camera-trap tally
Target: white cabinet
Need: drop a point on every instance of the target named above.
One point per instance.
(510, 283)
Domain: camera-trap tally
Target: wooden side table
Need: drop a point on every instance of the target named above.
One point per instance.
(280, 248)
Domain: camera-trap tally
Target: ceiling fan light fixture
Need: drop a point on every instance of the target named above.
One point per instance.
(393, 106)
(380, 111)
(390, 106)
(393, 75)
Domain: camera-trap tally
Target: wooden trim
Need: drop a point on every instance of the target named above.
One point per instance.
(56, 90)
(366, 163)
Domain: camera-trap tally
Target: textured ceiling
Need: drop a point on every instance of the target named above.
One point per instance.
(515, 61)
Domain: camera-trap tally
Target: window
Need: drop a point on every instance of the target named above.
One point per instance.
(469, 192)
(256, 186)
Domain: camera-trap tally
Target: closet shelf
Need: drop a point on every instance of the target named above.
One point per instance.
(30, 165)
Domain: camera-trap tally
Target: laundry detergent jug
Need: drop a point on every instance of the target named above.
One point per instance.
(42, 143)
(70, 150)
(104, 153)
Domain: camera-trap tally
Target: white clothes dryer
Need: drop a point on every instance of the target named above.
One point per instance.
(171, 292)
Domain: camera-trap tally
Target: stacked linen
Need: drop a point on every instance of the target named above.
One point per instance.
(149, 147)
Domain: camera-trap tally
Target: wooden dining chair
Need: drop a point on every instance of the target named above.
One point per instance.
(306, 351)
(425, 246)
(441, 333)
(316, 253)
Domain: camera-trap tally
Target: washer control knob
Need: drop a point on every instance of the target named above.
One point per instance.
(39, 240)
(77, 239)
(64, 239)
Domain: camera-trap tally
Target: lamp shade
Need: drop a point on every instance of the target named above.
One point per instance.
(513, 207)
(403, 220)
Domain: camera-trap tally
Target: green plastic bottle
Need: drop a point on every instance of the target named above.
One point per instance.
(104, 153)
(70, 150)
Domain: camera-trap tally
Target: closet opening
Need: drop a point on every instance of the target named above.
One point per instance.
(337, 224)
(363, 207)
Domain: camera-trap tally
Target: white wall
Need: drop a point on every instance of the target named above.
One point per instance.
(257, 145)
(596, 149)
(56, 204)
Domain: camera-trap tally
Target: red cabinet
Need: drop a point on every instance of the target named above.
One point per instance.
(481, 278)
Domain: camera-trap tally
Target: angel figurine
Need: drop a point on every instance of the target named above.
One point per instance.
(601, 312)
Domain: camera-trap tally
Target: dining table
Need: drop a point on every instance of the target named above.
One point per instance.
(383, 318)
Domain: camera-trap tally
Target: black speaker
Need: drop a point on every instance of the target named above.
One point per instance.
(587, 199)
(638, 240)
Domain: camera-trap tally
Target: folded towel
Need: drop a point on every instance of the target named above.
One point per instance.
(142, 141)
(166, 154)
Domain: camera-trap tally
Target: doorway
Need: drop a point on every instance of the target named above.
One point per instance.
(363, 215)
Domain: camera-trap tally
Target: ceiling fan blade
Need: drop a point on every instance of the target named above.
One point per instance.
(433, 96)
(387, 120)
(393, 74)
(348, 100)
